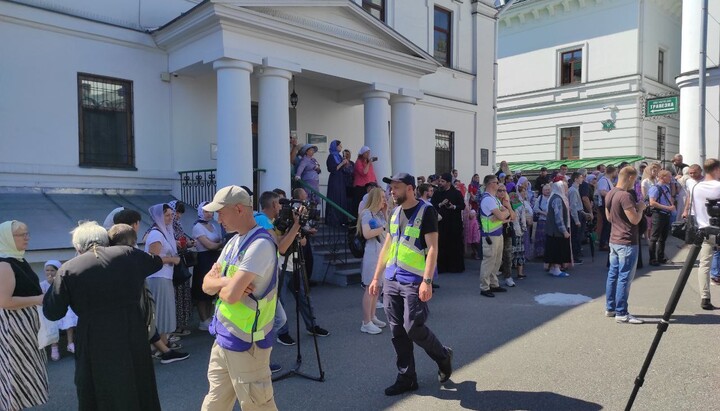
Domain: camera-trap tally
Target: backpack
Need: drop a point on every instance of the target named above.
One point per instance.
(356, 242)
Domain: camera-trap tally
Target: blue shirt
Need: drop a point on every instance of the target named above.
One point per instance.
(661, 194)
(263, 221)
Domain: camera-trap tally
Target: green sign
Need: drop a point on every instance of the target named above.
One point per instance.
(662, 106)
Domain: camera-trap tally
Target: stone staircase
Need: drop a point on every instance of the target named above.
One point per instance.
(334, 263)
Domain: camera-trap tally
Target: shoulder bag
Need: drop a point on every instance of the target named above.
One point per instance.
(181, 272)
(686, 230)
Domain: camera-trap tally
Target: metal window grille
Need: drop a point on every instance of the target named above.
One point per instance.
(484, 157)
(376, 8)
(661, 66)
(444, 151)
(105, 122)
(660, 155)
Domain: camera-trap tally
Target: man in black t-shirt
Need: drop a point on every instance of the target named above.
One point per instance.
(412, 237)
(541, 180)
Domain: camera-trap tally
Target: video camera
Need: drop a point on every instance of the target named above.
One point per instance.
(308, 214)
(713, 209)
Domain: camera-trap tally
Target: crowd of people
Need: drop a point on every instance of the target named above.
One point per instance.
(120, 304)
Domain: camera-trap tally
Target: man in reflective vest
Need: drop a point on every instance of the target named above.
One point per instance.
(408, 260)
(245, 279)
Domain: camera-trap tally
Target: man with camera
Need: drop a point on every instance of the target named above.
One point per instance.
(408, 260)
(709, 189)
(493, 214)
(624, 213)
(663, 205)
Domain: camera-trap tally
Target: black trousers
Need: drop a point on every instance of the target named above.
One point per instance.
(660, 231)
(576, 236)
(407, 315)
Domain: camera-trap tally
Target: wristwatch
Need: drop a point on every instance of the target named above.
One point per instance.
(427, 281)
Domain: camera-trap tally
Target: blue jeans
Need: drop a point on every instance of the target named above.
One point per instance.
(623, 260)
(715, 267)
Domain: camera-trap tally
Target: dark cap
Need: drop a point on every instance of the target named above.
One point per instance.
(404, 178)
(447, 177)
(543, 168)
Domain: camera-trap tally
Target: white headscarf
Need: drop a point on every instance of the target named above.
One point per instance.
(108, 223)
(558, 189)
(54, 263)
(8, 249)
(201, 213)
(157, 215)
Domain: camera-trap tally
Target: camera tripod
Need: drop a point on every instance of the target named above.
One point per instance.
(670, 307)
(299, 279)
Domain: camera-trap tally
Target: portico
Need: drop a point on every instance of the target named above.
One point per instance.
(369, 66)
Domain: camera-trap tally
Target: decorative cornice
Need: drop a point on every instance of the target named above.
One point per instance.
(528, 11)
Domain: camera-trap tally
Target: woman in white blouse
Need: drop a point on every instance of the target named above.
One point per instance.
(208, 242)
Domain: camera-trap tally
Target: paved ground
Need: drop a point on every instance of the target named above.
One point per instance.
(510, 352)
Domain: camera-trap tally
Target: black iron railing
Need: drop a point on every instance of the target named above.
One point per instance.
(197, 186)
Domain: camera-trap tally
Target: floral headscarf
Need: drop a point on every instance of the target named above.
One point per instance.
(176, 224)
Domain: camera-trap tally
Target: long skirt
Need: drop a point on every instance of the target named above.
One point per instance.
(164, 293)
(557, 250)
(183, 304)
(539, 239)
(518, 250)
(23, 376)
(529, 252)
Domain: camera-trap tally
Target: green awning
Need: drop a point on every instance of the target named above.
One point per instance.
(587, 163)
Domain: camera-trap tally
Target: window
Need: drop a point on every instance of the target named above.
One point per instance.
(661, 66)
(571, 67)
(443, 39)
(484, 157)
(106, 123)
(660, 143)
(570, 143)
(375, 7)
(444, 151)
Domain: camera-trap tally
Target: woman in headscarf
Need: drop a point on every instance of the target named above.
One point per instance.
(522, 191)
(519, 229)
(308, 170)
(23, 377)
(208, 237)
(183, 297)
(336, 187)
(103, 285)
(160, 241)
(557, 229)
(540, 211)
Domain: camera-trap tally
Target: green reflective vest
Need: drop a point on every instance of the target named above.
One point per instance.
(405, 255)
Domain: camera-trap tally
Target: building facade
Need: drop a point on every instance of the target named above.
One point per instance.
(574, 76)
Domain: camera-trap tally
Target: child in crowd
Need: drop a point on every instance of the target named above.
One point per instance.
(67, 323)
(472, 234)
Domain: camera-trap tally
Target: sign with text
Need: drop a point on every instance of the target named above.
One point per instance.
(662, 106)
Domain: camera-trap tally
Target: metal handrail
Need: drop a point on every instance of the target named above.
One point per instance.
(327, 200)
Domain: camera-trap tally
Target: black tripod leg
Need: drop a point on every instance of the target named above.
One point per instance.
(306, 285)
(665, 322)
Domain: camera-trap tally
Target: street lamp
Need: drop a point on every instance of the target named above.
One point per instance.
(293, 96)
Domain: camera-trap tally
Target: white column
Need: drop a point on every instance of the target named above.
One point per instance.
(377, 134)
(402, 111)
(688, 83)
(234, 125)
(273, 130)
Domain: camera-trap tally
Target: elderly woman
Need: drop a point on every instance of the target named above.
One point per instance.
(363, 174)
(336, 187)
(23, 377)
(557, 229)
(540, 211)
(160, 241)
(183, 297)
(208, 237)
(308, 170)
(102, 285)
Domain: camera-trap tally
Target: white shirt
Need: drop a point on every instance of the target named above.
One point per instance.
(259, 259)
(156, 236)
(703, 191)
(488, 204)
(200, 230)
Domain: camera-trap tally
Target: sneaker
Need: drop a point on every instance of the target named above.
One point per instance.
(157, 355)
(561, 274)
(578, 262)
(204, 325)
(370, 328)
(498, 289)
(181, 333)
(173, 356)
(487, 293)
(379, 305)
(285, 339)
(379, 323)
(509, 282)
(54, 353)
(174, 346)
(173, 338)
(609, 313)
(445, 368)
(715, 280)
(71, 348)
(627, 318)
(705, 304)
(320, 332)
(400, 388)
(275, 368)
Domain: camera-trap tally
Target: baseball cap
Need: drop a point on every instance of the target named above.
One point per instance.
(230, 195)
(404, 178)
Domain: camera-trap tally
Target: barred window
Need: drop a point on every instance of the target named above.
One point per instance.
(444, 151)
(105, 122)
(484, 157)
(660, 152)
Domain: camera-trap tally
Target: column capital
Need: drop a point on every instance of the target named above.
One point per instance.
(274, 72)
(402, 100)
(225, 63)
(376, 94)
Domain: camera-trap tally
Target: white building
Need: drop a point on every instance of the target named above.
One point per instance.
(119, 96)
(568, 66)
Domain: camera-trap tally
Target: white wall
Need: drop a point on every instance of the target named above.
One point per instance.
(662, 31)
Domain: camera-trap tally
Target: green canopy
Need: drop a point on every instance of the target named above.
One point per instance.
(587, 163)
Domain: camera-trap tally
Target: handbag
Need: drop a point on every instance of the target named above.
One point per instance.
(686, 230)
(181, 272)
(49, 333)
(191, 257)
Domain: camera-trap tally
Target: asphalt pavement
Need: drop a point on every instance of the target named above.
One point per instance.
(511, 353)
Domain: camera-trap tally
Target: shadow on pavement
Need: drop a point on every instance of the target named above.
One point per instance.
(470, 398)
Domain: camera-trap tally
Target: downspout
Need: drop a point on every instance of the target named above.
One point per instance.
(701, 78)
(495, 81)
(641, 89)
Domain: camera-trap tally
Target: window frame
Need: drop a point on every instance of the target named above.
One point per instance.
(83, 160)
(661, 66)
(450, 136)
(484, 157)
(448, 33)
(368, 4)
(571, 63)
(562, 145)
(661, 142)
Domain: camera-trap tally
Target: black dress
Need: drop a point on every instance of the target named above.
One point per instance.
(113, 367)
(23, 376)
(451, 244)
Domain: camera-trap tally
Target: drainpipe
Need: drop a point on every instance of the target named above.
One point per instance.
(495, 81)
(701, 78)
